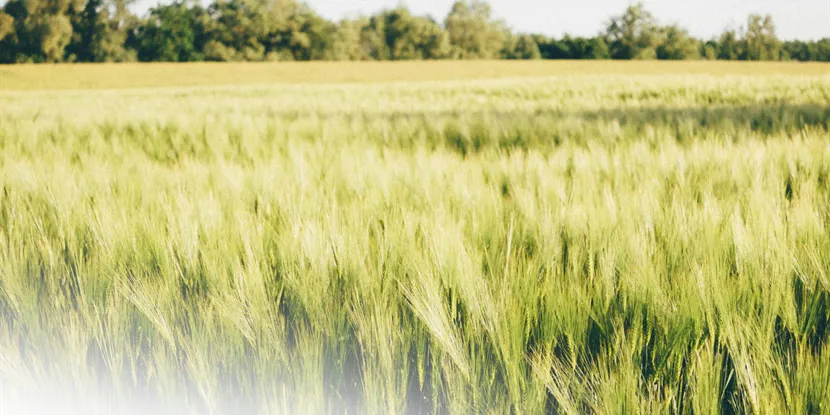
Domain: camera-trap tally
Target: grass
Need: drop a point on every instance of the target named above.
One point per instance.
(160, 75)
(583, 244)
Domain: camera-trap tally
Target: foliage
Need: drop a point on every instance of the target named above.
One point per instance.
(268, 30)
(808, 51)
(6, 25)
(472, 31)
(521, 47)
(761, 42)
(173, 33)
(97, 35)
(633, 35)
(35, 30)
(730, 46)
(676, 44)
(346, 41)
(398, 35)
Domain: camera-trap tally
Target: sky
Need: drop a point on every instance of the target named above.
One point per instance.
(794, 19)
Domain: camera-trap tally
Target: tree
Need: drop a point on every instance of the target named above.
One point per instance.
(256, 30)
(373, 40)
(577, 47)
(235, 29)
(346, 41)
(428, 39)
(472, 31)
(709, 50)
(6, 25)
(56, 32)
(173, 33)
(37, 30)
(397, 29)
(398, 35)
(676, 44)
(729, 46)
(598, 49)
(552, 48)
(632, 35)
(300, 31)
(823, 50)
(522, 47)
(761, 42)
(800, 51)
(9, 44)
(97, 35)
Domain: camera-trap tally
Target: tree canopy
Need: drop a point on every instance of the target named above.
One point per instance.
(258, 30)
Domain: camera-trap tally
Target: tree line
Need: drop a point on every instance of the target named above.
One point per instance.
(283, 30)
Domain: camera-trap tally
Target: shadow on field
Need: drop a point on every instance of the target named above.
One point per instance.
(767, 118)
(472, 131)
(465, 132)
(544, 130)
(469, 132)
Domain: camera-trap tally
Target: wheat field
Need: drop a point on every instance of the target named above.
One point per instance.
(162, 75)
(567, 242)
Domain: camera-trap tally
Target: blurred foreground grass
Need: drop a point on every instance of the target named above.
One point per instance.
(600, 244)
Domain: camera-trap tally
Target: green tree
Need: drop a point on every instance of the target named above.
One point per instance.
(173, 33)
(473, 33)
(373, 40)
(428, 39)
(823, 50)
(579, 47)
(6, 25)
(760, 39)
(396, 29)
(676, 44)
(235, 30)
(398, 35)
(255, 30)
(798, 50)
(346, 41)
(297, 29)
(55, 32)
(522, 47)
(633, 35)
(709, 50)
(37, 30)
(97, 35)
(598, 49)
(730, 46)
(551, 48)
(10, 45)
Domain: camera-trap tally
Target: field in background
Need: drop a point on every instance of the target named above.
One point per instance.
(117, 76)
(598, 243)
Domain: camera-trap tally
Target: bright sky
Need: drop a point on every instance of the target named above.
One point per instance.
(794, 19)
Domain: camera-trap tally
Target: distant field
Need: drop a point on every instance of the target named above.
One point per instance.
(117, 76)
(597, 242)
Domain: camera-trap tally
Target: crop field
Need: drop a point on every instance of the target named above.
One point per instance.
(156, 75)
(541, 239)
